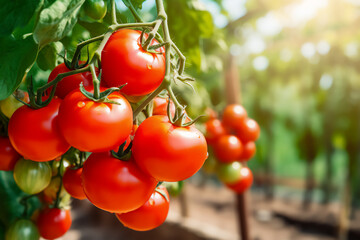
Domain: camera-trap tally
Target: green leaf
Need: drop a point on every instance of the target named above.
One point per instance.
(136, 3)
(56, 21)
(16, 59)
(48, 57)
(95, 28)
(16, 14)
(10, 199)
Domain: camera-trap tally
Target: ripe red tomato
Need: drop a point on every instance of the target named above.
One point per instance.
(53, 222)
(160, 106)
(168, 152)
(115, 185)
(72, 183)
(228, 148)
(34, 133)
(234, 116)
(70, 83)
(248, 151)
(124, 61)
(214, 130)
(150, 215)
(250, 131)
(95, 126)
(244, 183)
(8, 155)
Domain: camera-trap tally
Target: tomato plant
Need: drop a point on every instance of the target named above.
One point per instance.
(51, 191)
(168, 152)
(32, 177)
(22, 229)
(244, 183)
(150, 215)
(234, 116)
(34, 133)
(95, 126)
(72, 183)
(124, 190)
(124, 61)
(228, 148)
(53, 222)
(229, 172)
(250, 131)
(8, 155)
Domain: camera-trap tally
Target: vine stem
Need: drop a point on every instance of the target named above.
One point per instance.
(113, 12)
(135, 13)
(57, 201)
(81, 45)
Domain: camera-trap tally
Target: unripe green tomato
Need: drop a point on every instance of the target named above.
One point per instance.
(22, 229)
(9, 105)
(32, 177)
(96, 9)
(230, 172)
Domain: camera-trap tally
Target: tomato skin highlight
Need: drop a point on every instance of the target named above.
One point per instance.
(250, 131)
(54, 222)
(34, 133)
(72, 183)
(124, 61)
(150, 215)
(95, 126)
(234, 116)
(167, 152)
(70, 83)
(244, 182)
(22, 229)
(124, 190)
(8, 155)
(228, 148)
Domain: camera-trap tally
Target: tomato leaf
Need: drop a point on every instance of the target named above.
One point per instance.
(16, 59)
(56, 21)
(136, 3)
(10, 206)
(16, 14)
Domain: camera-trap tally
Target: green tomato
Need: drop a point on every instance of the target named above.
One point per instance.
(32, 177)
(174, 188)
(22, 229)
(96, 9)
(230, 172)
(9, 105)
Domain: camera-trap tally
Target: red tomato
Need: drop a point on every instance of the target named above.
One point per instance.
(214, 130)
(168, 152)
(8, 155)
(53, 222)
(228, 148)
(244, 183)
(124, 61)
(234, 116)
(34, 133)
(248, 151)
(250, 131)
(160, 106)
(150, 215)
(72, 183)
(95, 126)
(210, 113)
(70, 83)
(115, 185)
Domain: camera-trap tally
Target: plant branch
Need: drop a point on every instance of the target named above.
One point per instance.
(113, 12)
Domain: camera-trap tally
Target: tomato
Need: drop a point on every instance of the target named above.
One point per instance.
(244, 183)
(228, 148)
(22, 229)
(250, 131)
(34, 133)
(168, 152)
(69, 83)
(214, 130)
(229, 172)
(234, 116)
(72, 183)
(160, 106)
(96, 9)
(248, 151)
(52, 189)
(150, 215)
(8, 155)
(54, 222)
(210, 113)
(9, 105)
(115, 185)
(95, 126)
(32, 177)
(124, 61)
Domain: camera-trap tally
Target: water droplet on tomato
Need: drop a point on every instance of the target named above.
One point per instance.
(149, 66)
(151, 202)
(81, 104)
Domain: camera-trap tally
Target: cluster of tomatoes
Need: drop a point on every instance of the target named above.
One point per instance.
(232, 141)
(117, 165)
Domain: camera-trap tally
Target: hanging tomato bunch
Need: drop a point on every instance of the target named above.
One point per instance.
(109, 130)
(233, 143)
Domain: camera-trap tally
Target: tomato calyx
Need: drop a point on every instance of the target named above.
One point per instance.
(123, 154)
(75, 62)
(103, 96)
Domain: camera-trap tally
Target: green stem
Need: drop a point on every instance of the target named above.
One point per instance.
(60, 174)
(96, 82)
(182, 59)
(152, 34)
(81, 45)
(135, 13)
(173, 97)
(113, 12)
(24, 202)
(132, 25)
